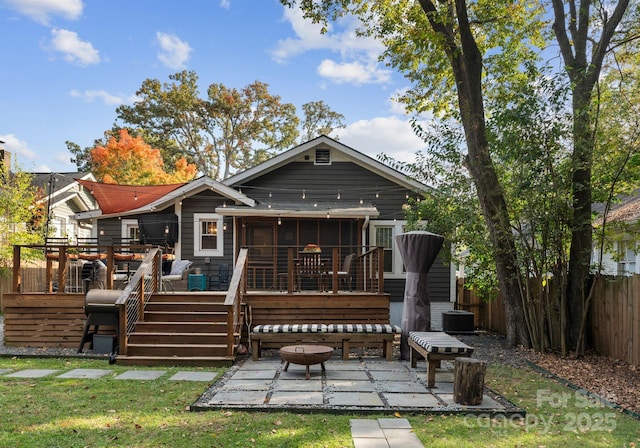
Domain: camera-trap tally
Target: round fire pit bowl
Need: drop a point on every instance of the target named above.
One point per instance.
(305, 355)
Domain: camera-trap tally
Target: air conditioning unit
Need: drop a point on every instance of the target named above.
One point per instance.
(457, 321)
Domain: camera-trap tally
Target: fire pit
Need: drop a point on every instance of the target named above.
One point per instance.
(305, 355)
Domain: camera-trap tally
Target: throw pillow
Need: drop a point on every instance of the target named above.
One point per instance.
(179, 266)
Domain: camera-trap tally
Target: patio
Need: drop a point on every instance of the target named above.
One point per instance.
(363, 384)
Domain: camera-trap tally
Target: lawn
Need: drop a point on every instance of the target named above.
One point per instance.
(53, 412)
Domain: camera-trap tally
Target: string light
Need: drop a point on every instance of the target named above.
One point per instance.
(315, 204)
(328, 215)
(279, 221)
(270, 195)
(361, 201)
(304, 194)
(338, 194)
(135, 196)
(377, 195)
(224, 225)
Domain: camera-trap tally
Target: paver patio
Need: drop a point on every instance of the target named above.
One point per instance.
(365, 384)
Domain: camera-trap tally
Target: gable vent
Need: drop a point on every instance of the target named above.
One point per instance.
(323, 156)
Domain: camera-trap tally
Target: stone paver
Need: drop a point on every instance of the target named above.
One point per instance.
(358, 399)
(234, 384)
(487, 402)
(296, 398)
(193, 376)
(85, 373)
(32, 373)
(141, 375)
(384, 433)
(251, 398)
(412, 400)
(313, 384)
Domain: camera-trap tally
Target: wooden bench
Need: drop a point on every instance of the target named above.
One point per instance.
(435, 346)
(343, 334)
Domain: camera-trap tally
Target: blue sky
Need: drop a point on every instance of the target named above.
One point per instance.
(67, 65)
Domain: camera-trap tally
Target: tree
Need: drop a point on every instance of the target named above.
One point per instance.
(129, 160)
(447, 48)
(21, 214)
(585, 35)
(318, 120)
(229, 130)
(466, 49)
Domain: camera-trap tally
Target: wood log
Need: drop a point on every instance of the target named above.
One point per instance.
(468, 381)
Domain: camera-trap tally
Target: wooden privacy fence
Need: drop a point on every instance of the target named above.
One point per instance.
(613, 329)
(615, 318)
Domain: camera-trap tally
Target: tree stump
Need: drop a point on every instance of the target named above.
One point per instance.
(468, 381)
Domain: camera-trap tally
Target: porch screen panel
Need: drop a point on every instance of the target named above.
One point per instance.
(209, 234)
(384, 239)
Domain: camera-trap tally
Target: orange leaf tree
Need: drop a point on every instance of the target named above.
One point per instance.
(129, 160)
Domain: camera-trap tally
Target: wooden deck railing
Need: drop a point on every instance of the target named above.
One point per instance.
(234, 299)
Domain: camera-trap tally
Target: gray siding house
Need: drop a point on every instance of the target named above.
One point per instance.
(320, 193)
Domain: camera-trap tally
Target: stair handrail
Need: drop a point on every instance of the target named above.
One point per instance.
(234, 299)
(136, 294)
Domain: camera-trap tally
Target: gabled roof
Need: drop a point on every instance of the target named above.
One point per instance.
(345, 151)
(58, 188)
(121, 200)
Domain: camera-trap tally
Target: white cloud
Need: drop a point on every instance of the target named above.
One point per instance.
(43, 10)
(73, 49)
(383, 135)
(358, 56)
(353, 72)
(111, 100)
(225, 4)
(17, 147)
(174, 52)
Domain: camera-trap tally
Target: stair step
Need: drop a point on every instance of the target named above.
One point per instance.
(185, 350)
(180, 327)
(208, 297)
(210, 361)
(186, 307)
(181, 316)
(156, 338)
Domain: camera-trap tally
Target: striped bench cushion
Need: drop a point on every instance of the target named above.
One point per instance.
(439, 342)
(363, 328)
(291, 328)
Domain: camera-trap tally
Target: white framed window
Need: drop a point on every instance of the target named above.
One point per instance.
(208, 232)
(383, 234)
(130, 230)
(628, 253)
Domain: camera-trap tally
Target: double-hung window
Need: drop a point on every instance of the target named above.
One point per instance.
(383, 234)
(208, 235)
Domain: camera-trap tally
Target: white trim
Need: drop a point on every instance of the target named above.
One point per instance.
(349, 153)
(197, 236)
(125, 225)
(398, 228)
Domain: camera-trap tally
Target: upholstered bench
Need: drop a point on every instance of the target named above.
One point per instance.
(344, 334)
(435, 346)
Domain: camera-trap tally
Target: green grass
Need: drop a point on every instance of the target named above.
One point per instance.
(53, 412)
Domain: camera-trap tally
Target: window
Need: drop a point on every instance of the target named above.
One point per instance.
(383, 234)
(130, 230)
(628, 255)
(323, 156)
(208, 229)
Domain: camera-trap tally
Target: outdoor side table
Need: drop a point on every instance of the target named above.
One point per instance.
(197, 282)
(305, 355)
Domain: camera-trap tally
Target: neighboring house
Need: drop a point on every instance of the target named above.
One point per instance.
(621, 255)
(320, 192)
(64, 197)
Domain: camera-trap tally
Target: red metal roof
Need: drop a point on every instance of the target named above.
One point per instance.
(113, 198)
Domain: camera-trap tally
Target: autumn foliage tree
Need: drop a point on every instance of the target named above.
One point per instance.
(128, 160)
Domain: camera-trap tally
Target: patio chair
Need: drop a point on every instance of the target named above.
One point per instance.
(178, 268)
(220, 282)
(344, 275)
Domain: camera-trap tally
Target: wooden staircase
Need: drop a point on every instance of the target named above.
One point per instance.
(181, 329)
